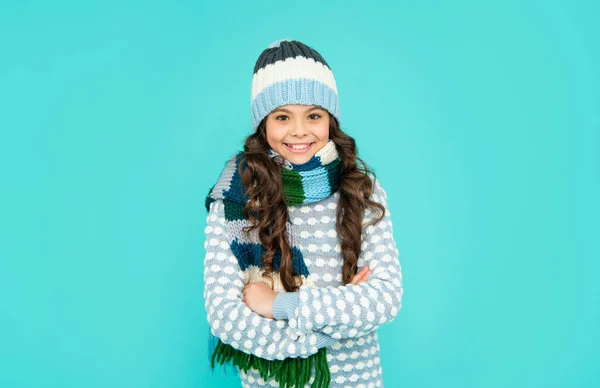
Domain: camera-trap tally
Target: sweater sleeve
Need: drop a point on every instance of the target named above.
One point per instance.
(349, 311)
(228, 316)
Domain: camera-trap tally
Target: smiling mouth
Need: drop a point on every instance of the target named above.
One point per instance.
(298, 148)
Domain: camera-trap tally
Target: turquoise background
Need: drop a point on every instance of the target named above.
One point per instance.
(481, 120)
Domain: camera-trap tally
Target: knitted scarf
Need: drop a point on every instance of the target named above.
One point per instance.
(308, 182)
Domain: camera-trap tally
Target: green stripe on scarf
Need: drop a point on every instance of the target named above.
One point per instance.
(292, 187)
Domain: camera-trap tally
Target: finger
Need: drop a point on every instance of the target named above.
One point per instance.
(364, 275)
(356, 278)
(363, 271)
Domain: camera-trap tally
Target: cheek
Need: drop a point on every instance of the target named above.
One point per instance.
(274, 136)
(323, 132)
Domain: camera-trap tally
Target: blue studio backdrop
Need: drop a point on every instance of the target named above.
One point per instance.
(480, 118)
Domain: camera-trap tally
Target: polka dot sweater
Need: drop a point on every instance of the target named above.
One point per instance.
(323, 312)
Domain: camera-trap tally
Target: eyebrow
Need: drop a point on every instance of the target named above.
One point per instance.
(288, 111)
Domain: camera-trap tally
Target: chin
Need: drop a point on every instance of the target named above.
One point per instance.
(296, 159)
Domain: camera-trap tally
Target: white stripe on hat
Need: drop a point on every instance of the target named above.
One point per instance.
(291, 68)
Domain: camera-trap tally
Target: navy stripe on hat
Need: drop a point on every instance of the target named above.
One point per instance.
(286, 49)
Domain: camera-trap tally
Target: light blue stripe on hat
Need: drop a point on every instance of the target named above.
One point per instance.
(303, 91)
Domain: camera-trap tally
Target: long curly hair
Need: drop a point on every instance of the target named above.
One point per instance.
(267, 210)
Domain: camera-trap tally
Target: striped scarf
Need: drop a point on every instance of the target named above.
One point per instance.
(308, 182)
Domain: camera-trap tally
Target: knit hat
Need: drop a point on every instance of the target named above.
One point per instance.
(290, 72)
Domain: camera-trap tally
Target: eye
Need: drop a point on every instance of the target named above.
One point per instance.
(315, 114)
(278, 117)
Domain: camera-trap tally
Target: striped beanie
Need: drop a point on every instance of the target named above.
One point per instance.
(290, 72)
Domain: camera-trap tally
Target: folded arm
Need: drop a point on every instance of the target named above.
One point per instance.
(352, 310)
(228, 316)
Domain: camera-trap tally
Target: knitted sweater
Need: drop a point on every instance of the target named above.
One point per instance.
(323, 313)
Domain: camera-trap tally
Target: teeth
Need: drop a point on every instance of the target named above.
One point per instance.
(299, 146)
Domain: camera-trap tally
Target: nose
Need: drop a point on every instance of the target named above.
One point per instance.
(299, 129)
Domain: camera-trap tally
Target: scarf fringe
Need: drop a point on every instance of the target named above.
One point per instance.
(289, 373)
(212, 344)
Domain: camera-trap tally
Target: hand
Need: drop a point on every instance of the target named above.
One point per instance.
(259, 297)
(361, 276)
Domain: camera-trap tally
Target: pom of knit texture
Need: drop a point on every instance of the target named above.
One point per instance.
(277, 43)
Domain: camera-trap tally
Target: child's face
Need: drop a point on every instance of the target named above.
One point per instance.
(297, 132)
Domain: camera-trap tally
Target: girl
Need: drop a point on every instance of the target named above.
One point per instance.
(291, 220)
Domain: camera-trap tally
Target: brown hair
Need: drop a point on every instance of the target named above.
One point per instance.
(267, 210)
